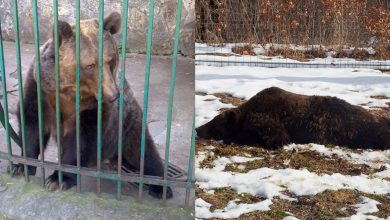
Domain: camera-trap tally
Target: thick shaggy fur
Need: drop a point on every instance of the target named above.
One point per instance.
(132, 123)
(274, 117)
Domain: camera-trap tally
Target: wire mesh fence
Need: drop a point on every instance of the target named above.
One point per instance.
(292, 33)
(172, 175)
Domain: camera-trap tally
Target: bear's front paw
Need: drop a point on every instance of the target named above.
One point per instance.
(53, 183)
(157, 191)
(17, 170)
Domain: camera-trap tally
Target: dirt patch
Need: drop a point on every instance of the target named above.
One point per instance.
(381, 113)
(286, 53)
(379, 97)
(245, 50)
(222, 150)
(326, 205)
(315, 53)
(358, 54)
(221, 197)
(384, 207)
(280, 159)
(228, 150)
(229, 99)
(297, 54)
(201, 93)
(310, 160)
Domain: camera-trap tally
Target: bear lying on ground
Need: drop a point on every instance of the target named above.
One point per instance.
(132, 114)
(274, 117)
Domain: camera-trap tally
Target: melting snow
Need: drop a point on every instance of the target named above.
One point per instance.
(368, 157)
(361, 216)
(206, 54)
(272, 182)
(290, 218)
(232, 210)
(207, 108)
(356, 86)
(368, 206)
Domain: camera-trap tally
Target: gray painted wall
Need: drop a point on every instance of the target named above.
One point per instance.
(164, 21)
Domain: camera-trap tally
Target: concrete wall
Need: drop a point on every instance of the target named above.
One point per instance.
(164, 21)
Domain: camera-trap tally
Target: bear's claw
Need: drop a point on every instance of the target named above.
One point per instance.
(52, 183)
(17, 170)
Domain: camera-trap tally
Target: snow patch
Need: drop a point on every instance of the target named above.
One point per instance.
(211, 55)
(373, 158)
(368, 206)
(232, 210)
(356, 86)
(269, 182)
(361, 216)
(207, 108)
(290, 218)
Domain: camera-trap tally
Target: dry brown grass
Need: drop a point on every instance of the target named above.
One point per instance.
(326, 205)
(229, 99)
(296, 54)
(245, 50)
(281, 159)
(358, 54)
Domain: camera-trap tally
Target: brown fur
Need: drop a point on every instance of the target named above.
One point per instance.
(274, 117)
(89, 78)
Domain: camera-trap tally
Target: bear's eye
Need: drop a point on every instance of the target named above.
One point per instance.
(90, 67)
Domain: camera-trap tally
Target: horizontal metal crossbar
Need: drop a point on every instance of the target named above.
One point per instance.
(105, 174)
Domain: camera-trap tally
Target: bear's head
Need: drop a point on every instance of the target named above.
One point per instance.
(89, 65)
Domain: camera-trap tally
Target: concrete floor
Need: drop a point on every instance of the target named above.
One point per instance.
(182, 117)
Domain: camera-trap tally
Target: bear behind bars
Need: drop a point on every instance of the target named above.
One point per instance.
(132, 123)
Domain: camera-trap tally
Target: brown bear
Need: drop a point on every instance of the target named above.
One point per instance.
(274, 117)
(132, 125)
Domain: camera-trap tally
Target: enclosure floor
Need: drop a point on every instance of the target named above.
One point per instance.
(182, 115)
(20, 200)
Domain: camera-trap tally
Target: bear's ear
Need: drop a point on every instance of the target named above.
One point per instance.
(64, 31)
(112, 22)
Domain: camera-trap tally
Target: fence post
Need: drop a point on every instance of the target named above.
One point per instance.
(39, 89)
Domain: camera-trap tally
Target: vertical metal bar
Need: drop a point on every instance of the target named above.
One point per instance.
(58, 102)
(39, 88)
(5, 102)
(100, 92)
(171, 94)
(146, 96)
(191, 164)
(20, 84)
(121, 98)
(78, 94)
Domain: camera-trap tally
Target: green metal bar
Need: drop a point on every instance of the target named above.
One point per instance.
(58, 101)
(191, 164)
(171, 94)
(146, 96)
(121, 98)
(20, 84)
(78, 93)
(5, 102)
(39, 87)
(100, 91)
(109, 175)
